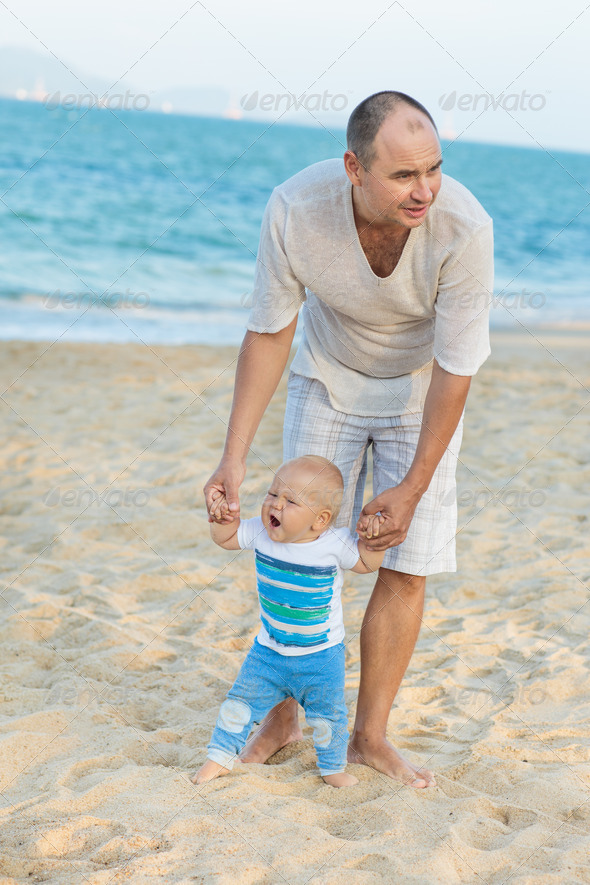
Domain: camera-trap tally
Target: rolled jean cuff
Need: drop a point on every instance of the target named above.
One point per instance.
(326, 771)
(222, 757)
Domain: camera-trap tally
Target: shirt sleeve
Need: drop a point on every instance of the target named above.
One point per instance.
(462, 306)
(249, 530)
(348, 548)
(278, 294)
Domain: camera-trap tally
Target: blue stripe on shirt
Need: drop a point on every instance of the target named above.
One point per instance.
(294, 638)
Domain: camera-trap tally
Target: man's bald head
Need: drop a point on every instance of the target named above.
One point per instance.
(368, 117)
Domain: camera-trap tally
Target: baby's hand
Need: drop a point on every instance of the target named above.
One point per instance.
(220, 511)
(368, 526)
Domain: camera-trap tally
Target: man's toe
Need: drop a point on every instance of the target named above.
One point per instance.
(417, 782)
(426, 775)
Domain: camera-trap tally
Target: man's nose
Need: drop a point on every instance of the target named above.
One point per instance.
(420, 190)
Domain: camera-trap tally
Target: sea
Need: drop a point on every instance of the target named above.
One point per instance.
(132, 225)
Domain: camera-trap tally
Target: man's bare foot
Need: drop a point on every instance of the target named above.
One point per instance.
(342, 779)
(381, 756)
(208, 772)
(279, 728)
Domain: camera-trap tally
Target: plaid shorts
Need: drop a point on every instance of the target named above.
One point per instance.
(313, 427)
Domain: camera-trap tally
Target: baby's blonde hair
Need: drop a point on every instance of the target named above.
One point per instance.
(326, 487)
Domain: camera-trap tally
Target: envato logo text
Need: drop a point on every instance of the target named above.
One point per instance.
(116, 101)
(480, 498)
(251, 500)
(484, 101)
(111, 300)
(70, 696)
(287, 101)
(523, 300)
(266, 299)
(87, 497)
(508, 694)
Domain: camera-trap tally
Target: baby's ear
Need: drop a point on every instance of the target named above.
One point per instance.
(324, 518)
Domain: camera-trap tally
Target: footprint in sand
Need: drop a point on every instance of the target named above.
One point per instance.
(77, 837)
(83, 776)
(493, 827)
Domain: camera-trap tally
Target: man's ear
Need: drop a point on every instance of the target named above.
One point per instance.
(353, 167)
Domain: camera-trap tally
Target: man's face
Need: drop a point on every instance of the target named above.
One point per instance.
(292, 508)
(405, 176)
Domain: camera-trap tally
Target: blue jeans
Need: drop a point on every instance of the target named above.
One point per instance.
(266, 678)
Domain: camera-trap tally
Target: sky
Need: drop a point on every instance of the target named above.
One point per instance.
(495, 71)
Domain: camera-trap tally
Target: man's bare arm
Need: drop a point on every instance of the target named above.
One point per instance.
(443, 408)
(263, 357)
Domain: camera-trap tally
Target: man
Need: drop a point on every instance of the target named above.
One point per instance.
(392, 263)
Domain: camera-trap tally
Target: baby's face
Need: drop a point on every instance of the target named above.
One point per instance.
(293, 508)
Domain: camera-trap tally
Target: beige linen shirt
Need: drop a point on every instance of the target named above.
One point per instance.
(371, 340)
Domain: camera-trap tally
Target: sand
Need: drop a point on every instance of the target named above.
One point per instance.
(123, 626)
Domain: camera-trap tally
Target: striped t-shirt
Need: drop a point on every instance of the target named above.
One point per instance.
(299, 587)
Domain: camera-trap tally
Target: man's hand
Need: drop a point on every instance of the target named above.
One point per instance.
(397, 506)
(221, 491)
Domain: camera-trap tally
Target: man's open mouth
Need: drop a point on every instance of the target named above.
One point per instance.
(417, 210)
(274, 522)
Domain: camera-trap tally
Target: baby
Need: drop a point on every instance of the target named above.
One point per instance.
(299, 651)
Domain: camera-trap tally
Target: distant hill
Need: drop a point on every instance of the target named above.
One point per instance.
(31, 75)
(39, 76)
(36, 72)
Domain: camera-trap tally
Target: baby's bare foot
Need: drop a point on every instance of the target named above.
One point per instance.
(342, 779)
(208, 772)
(279, 728)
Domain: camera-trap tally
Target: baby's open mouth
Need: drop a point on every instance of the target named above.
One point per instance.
(274, 522)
